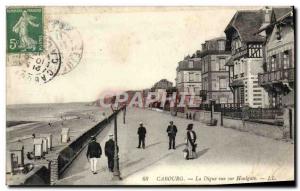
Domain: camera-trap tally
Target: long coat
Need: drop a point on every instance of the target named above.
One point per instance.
(94, 150)
(142, 131)
(191, 141)
(109, 148)
(172, 130)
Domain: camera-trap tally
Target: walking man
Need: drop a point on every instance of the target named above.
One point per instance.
(142, 134)
(172, 130)
(93, 153)
(110, 152)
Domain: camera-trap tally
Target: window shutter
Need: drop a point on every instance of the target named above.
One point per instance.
(277, 64)
(269, 64)
(281, 60)
(291, 59)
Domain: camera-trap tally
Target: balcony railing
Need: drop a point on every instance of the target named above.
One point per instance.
(275, 76)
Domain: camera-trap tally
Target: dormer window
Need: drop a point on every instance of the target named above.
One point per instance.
(191, 64)
(221, 45)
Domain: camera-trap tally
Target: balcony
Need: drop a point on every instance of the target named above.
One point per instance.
(285, 75)
(239, 52)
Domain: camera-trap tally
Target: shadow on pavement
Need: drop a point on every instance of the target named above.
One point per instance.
(147, 165)
(202, 152)
(153, 144)
(180, 145)
(131, 163)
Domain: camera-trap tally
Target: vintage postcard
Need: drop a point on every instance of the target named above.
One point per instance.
(145, 96)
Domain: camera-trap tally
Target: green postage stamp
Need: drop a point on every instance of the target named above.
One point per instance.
(24, 29)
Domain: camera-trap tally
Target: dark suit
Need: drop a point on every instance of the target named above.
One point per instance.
(191, 140)
(109, 153)
(94, 150)
(172, 130)
(142, 134)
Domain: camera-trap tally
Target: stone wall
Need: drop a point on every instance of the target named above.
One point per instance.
(38, 176)
(259, 128)
(69, 153)
(204, 116)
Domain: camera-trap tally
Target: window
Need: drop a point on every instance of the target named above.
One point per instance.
(223, 99)
(191, 77)
(222, 64)
(286, 60)
(221, 45)
(257, 99)
(197, 78)
(256, 90)
(222, 83)
(191, 63)
(273, 61)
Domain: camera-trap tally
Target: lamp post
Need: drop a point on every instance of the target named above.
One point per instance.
(124, 114)
(116, 173)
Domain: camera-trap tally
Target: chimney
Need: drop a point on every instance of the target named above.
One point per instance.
(267, 14)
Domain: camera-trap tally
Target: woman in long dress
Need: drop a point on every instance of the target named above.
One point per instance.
(21, 28)
(191, 142)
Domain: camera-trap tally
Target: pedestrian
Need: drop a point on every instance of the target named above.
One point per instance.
(190, 115)
(172, 130)
(110, 152)
(187, 115)
(142, 134)
(191, 142)
(93, 153)
(194, 116)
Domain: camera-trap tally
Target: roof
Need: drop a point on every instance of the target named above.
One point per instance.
(229, 62)
(184, 65)
(278, 14)
(247, 23)
(281, 11)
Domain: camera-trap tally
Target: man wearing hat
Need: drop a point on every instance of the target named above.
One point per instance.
(142, 134)
(191, 141)
(110, 152)
(94, 152)
(172, 130)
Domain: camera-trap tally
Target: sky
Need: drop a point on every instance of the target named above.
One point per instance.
(123, 49)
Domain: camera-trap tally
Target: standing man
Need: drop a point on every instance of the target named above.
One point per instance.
(142, 134)
(172, 130)
(110, 152)
(93, 153)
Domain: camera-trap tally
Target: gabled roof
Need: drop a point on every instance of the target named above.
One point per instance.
(278, 14)
(246, 23)
(281, 11)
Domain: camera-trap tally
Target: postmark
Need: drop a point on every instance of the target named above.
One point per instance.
(70, 43)
(24, 29)
(42, 67)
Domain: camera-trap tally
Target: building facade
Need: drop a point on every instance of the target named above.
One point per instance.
(278, 75)
(246, 60)
(188, 76)
(215, 75)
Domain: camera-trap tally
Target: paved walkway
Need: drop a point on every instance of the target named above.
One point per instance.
(224, 155)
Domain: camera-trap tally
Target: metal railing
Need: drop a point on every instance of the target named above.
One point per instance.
(279, 75)
(236, 110)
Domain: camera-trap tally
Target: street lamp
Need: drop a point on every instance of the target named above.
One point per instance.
(116, 173)
(124, 113)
